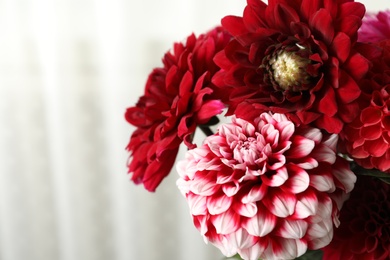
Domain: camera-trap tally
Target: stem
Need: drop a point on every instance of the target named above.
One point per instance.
(358, 170)
(206, 130)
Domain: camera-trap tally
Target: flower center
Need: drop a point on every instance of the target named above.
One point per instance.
(246, 151)
(288, 70)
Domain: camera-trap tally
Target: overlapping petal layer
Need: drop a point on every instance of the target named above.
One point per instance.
(266, 188)
(364, 232)
(367, 138)
(299, 58)
(178, 97)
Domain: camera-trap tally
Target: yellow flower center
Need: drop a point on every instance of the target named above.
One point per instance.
(289, 70)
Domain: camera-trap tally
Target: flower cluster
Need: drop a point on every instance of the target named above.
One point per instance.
(306, 87)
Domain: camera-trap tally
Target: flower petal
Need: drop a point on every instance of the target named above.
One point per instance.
(260, 225)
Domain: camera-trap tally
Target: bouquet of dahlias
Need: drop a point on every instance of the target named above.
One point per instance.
(302, 167)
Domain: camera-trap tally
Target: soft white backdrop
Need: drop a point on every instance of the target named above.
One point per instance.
(68, 70)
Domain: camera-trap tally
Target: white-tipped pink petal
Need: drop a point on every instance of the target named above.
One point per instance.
(321, 242)
(247, 210)
(200, 223)
(197, 204)
(314, 134)
(218, 204)
(230, 189)
(281, 204)
(293, 229)
(225, 246)
(332, 141)
(255, 194)
(254, 252)
(203, 187)
(286, 129)
(277, 179)
(298, 180)
(210, 165)
(320, 232)
(226, 222)
(260, 225)
(284, 249)
(324, 211)
(276, 161)
(300, 147)
(324, 154)
(307, 205)
(308, 163)
(322, 182)
(241, 239)
(293, 248)
(345, 176)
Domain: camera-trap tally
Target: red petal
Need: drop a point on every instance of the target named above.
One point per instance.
(332, 7)
(307, 117)
(136, 116)
(348, 90)
(284, 16)
(309, 7)
(383, 163)
(376, 147)
(209, 109)
(327, 105)
(341, 46)
(253, 14)
(234, 25)
(370, 51)
(372, 132)
(352, 8)
(158, 169)
(330, 124)
(348, 112)
(321, 25)
(349, 25)
(357, 66)
(371, 116)
(386, 122)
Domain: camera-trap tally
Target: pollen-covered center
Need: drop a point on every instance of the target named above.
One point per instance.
(288, 70)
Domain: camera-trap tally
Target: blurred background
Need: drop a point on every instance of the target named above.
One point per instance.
(68, 71)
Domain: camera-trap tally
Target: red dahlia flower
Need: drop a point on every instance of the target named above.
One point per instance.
(364, 232)
(367, 138)
(375, 27)
(266, 189)
(295, 57)
(178, 97)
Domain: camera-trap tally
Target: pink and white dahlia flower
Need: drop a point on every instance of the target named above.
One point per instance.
(266, 189)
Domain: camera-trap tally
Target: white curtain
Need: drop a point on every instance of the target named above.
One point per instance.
(68, 70)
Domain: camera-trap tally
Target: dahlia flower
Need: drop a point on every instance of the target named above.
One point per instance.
(266, 189)
(178, 97)
(375, 27)
(299, 58)
(367, 138)
(364, 232)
